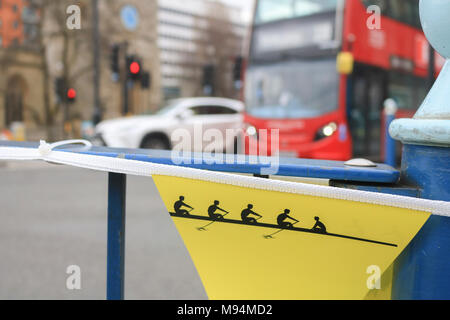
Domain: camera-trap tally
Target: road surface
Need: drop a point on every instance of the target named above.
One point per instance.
(52, 217)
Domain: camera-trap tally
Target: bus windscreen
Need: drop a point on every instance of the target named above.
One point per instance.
(275, 10)
(292, 89)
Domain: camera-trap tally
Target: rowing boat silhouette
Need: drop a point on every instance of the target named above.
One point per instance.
(275, 226)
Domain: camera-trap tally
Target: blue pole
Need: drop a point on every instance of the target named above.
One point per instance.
(421, 271)
(116, 237)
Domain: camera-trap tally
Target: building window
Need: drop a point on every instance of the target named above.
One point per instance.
(16, 24)
(171, 93)
(15, 8)
(14, 100)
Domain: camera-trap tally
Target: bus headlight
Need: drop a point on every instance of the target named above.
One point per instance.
(326, 131)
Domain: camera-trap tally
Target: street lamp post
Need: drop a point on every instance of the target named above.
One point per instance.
(97, 116)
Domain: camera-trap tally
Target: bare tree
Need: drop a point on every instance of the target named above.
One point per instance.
(59, 49)
(219, 46)
(67, 54)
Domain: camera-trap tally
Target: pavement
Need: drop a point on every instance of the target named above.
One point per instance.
(53, 216)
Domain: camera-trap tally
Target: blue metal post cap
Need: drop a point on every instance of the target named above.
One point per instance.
(431, 123)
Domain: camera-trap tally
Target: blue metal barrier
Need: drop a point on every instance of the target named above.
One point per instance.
(421, 272)
(116, 236)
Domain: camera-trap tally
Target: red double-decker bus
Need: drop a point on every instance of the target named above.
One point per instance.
(320, 71)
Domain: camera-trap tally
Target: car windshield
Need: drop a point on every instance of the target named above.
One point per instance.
(296, 89)
(274, 10)
(171, 105)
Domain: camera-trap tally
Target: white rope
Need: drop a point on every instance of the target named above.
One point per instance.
(139, 168)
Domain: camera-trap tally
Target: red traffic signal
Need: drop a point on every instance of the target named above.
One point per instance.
(71, 94)
(135, 68)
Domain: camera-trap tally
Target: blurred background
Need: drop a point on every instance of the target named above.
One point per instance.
(320, 71)
(174, 42)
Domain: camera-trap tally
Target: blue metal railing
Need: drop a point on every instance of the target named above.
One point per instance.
(116, 236)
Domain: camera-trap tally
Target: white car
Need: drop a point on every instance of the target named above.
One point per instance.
(156, 131)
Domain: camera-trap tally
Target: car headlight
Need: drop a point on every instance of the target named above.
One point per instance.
(326, 131)
(251, 131)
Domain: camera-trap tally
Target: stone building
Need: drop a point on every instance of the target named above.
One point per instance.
(20, 89)
(174, 39)
(20, 66)
(29, 69)
(136, 36)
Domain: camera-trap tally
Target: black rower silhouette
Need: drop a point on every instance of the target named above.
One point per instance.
(245, 215)
(179, 205)
(282, 223)
(212, 211)
(213, 215)
(319, 227)
(281, 220)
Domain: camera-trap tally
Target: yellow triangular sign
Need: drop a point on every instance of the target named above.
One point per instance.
(334, 251)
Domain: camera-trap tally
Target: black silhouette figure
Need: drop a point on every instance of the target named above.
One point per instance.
(319, 226)
(281, 220)
(247, 212)
(212, 214)
(212, 211)
(179, 204)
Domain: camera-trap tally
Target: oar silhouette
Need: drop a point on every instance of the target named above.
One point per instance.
(207, 225)
(188, 212)
(270, 236)
(259, 218)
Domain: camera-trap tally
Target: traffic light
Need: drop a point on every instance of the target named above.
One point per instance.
(208, 79)
(237, 69)
(60, 88)
(134, 68)
(115, 51)
(115, 63)
(145, 80)
(63, 92)
(237, 72)
(71, 95)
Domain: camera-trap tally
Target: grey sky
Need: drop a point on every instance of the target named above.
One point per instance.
(246, 5)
